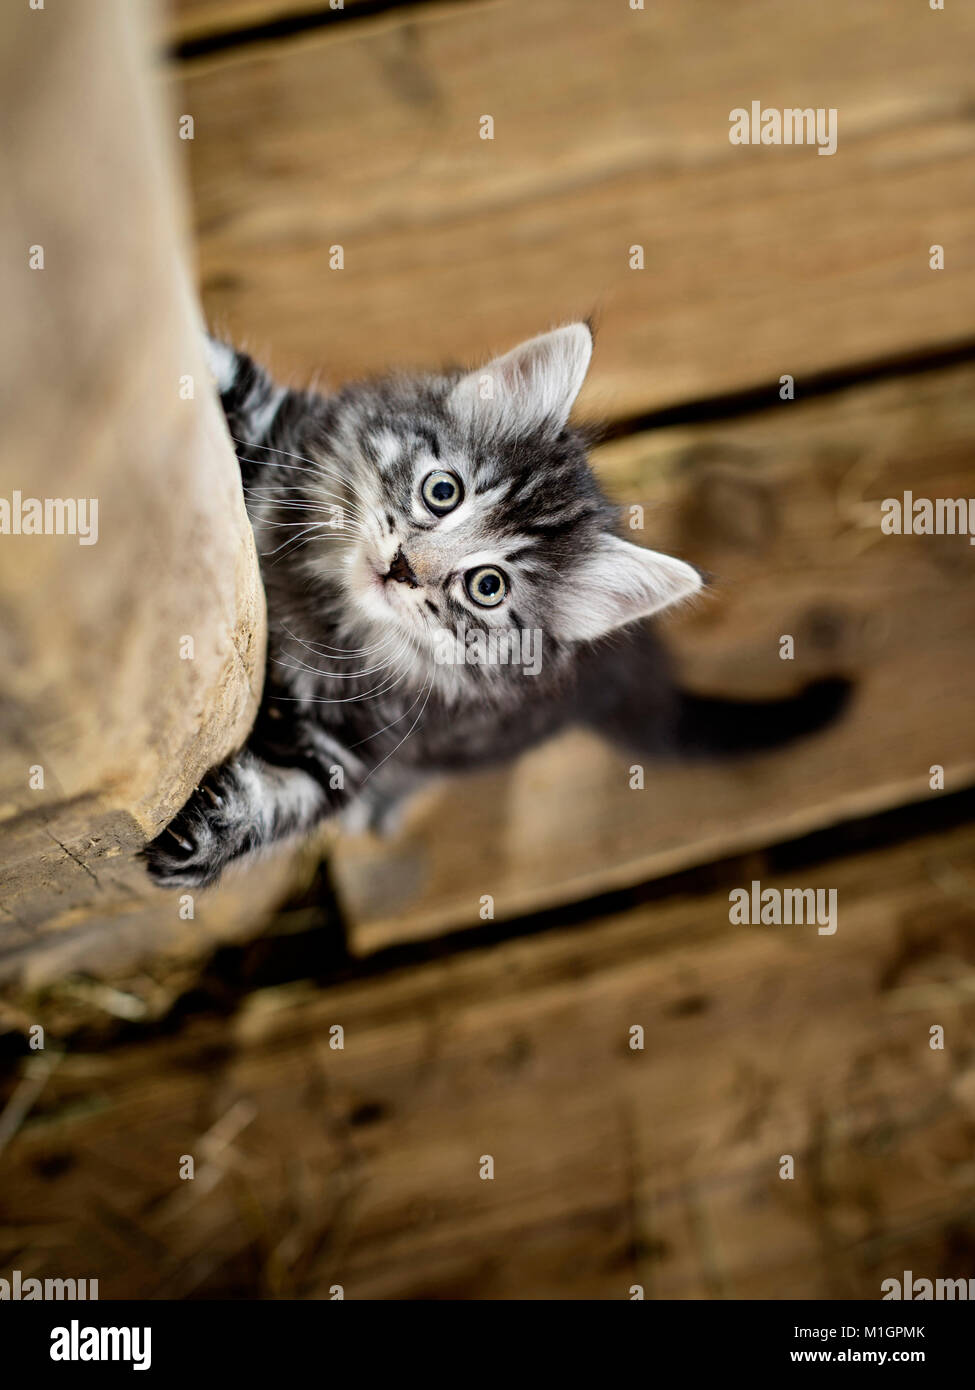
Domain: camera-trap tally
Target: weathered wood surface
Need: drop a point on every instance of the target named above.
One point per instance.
(613, 1166)
(783, 508)
(94, 698)
(198, 19)
(611, 130)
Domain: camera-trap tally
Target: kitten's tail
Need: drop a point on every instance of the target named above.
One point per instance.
(667, 722)
(710, 727)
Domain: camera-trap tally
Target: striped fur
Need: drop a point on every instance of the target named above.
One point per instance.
(368, 587)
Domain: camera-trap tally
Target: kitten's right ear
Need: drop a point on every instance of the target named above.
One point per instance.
(533, 387)
(619, 583)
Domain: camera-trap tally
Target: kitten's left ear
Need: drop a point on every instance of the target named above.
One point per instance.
(620, 583)
(530, 388)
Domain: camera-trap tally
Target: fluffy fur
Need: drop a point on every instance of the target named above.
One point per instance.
(393, 519)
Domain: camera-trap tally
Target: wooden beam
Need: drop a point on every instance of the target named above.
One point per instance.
(614, 1166)
(759, 261)
(189, 20)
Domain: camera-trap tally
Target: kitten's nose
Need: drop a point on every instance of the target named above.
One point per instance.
(400, 570)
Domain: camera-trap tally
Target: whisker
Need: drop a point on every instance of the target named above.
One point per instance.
(337, 529)
(381, 689)
(317, 468)
(311, 503)
(348, 652)
(342, 675)
(409, 731)
(368, 737)
(266, 554)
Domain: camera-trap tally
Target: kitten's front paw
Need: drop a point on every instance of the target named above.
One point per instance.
(213, 828)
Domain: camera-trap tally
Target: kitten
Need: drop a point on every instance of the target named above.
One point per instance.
(403, 524)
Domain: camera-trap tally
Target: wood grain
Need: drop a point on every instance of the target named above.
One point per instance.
(613, 1167)
(104, 729)
(783, 508)
(197, 19)
(611, 130)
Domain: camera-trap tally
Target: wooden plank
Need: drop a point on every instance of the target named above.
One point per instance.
(759, 261)
(784, 509)
(614, 1166)
(197, 19)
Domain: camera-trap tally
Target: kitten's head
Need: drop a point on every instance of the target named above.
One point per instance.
(474, 506)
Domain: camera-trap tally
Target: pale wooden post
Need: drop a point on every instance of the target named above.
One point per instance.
(130, 665)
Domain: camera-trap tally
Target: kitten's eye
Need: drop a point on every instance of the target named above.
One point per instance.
(442, 492)
(486, 586)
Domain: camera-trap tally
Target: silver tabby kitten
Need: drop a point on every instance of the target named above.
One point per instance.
(419, 537)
